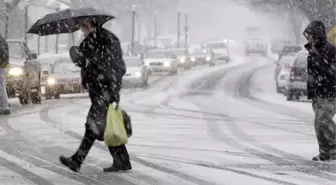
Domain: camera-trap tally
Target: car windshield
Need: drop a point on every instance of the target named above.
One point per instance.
(201, 52)
(134, 62)
(65, 66)
(216, 45)
(15, 50)
(286, 60)
(159, 54)
(178, 52)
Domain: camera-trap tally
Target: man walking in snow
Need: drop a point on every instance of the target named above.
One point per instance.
(102, 67)
(4, 61)
(321, 87)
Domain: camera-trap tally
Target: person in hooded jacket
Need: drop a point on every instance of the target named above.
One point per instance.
(102, 67)
(4, 61)
(321, 87)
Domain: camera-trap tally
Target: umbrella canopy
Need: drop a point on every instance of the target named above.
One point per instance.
(66, 21)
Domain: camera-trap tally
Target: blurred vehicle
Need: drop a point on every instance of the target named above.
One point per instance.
(24, 73)
(253, 31)
(64, 78)
(136, 72)
(277, 45)
(282, 73)
(202, 56)
(256, 45)
(183, 57)
(161, 61)
(289, 49)
(220, 50)
(297, 85)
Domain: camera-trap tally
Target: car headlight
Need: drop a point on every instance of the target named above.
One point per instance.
(15, 71)
(208, 58)
(51, 81)
(167, 64)
(137, 74)
(193, 59)
(182, 59)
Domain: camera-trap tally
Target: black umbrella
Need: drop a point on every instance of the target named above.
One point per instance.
(67, 21)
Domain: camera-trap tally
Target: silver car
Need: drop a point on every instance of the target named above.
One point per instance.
(136, 72)
(202, 56)
(256, 45)
(298, 76)
(220, 49)
(64, 78)
(161, 61)
(183, 57)
(24, 73)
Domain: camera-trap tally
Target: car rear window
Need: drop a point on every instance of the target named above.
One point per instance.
(301, 61)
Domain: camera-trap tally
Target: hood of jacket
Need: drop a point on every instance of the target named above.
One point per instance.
(317, 31)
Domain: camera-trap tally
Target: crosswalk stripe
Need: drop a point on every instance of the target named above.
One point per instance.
(28, 170)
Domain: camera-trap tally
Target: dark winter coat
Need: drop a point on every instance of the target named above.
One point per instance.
(321, 63)
(102, 69)
(4, 55)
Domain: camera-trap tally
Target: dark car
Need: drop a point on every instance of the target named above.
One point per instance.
(64, 78)
(24, 73)
(202, 56)
(297, 85)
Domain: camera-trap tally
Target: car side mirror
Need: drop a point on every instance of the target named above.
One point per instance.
(32, 56)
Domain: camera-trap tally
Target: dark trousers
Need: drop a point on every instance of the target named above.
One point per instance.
(119, 153)
(325, 128)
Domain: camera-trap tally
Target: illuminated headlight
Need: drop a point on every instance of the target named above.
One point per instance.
(193, 59)
(208, 58)
(51, 81)
(182, 59)
(16, 71)
(167, 64)
(137, 74)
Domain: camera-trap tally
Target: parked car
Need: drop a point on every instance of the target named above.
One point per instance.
(64, 78)
(136, 72)
(283, 67)
(161, 61)
(183, 57)
(283, 77)
(24, 73)
(289, 50)
(277, 45)
(202, 56)
(220, 49)
(297, 85)
(256, 45)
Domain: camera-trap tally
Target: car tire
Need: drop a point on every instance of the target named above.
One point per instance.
(11, 93)
(36, 97)
(24, 98)
(289, 95)
(57, 95)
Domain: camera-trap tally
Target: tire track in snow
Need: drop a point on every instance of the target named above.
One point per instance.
(45, 117)
(198, 88)
(241, 88)
(17, 145)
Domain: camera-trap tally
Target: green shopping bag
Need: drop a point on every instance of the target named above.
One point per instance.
(115, 132)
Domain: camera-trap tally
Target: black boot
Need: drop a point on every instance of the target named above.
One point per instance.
(121, 159)
(70, 163)
(322, 157)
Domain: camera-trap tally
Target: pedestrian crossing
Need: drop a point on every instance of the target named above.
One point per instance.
(29, 153)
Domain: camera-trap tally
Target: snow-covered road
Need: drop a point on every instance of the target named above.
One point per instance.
(222, 125)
